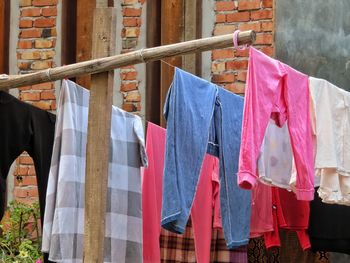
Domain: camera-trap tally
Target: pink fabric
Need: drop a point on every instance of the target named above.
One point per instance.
(201, 213)
(288, 213)
(275, 90)
(261, 214)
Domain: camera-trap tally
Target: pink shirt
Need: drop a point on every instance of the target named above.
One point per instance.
(206, 198)
(276, 91)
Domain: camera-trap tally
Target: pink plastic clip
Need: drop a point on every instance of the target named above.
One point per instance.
(235, 41)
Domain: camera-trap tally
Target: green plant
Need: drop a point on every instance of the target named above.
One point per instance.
(20, 240)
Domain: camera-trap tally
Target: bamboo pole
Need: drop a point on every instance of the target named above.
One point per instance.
(140, 56)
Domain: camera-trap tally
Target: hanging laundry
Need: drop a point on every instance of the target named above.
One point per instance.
(329, 226)
(64, 215)
(332, 119)
(276, 91)
(288, 213)
(202, 117)
(202, 209)
(25, 128)
(275, 163)
(161, 245)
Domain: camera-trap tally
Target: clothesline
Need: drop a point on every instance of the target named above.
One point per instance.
(139, 56)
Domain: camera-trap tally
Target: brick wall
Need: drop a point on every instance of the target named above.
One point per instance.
(35, 51)
(130, 34)
(229, 66)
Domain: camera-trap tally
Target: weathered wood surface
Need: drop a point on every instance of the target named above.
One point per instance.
(98, 138)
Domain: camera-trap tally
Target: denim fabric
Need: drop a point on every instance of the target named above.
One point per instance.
(202, 117)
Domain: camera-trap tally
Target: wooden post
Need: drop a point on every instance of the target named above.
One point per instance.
(98, 141)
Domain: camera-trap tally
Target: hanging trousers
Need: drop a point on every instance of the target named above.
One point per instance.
(202, 117)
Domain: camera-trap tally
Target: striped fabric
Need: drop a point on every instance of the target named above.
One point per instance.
(64, 214)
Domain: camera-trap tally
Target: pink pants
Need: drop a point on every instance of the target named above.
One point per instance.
(206, 200)
(275, 90)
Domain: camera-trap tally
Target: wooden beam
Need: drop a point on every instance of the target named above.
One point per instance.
(153, 68)
(139, 56)
(98, 142)
(172, 23)
(190, 33)
(85, 11)
(2, 36)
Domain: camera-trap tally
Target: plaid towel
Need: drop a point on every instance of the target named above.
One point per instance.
(63, 230)
(175, 248)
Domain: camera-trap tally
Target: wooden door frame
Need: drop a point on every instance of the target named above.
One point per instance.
(4, 35)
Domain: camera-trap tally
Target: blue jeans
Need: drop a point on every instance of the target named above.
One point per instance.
(202, 117)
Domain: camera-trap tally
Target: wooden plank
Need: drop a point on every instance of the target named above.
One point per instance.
(69, 34)
(172, 31)
(98, 144)
(108, 63)
(85, 11)
(190, 30)
(153, 112)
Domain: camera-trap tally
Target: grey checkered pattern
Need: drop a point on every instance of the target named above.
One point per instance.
(64, 214)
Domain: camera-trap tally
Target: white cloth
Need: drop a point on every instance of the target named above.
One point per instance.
(63, 229)
(332, 120)
(275, 163)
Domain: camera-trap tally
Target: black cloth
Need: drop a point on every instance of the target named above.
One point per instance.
(329, 226)
(24, 127)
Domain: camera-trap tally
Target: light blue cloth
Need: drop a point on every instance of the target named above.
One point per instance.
(202, 117)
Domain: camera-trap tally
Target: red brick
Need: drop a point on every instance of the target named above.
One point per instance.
(248, 4)
(22, 170)
(256, 26)
(267, 3)
(242, 53)
(53, 105)
(267, 26)
(222, 78)
(47, 95)
(44, 2)
(224, 6)
(238, 88)
(217, 67)
(222, 53)
(263, 38)
(42, 86)
(238, 17)
(29, 55)
(41, 64)
(131, 11)
(35, 11)
(129, 107)
(25, 23)
(43, 43)
(45, 22)
(31, 170)
(261, 14)
(30, 33)
(133, 97)
(49, 11)
(23, 65)
(128, 21)
(24, 88)
(25, 160)
(32, 192)
(20, 192)
(237, 64)
(25, 44)
(44, 105)
(25, 3)
(129, 75)
(220, 18)
(128, 86)
(242, 76)
(224, 29)
(30, 96)
(268, 50)
(26, 180)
